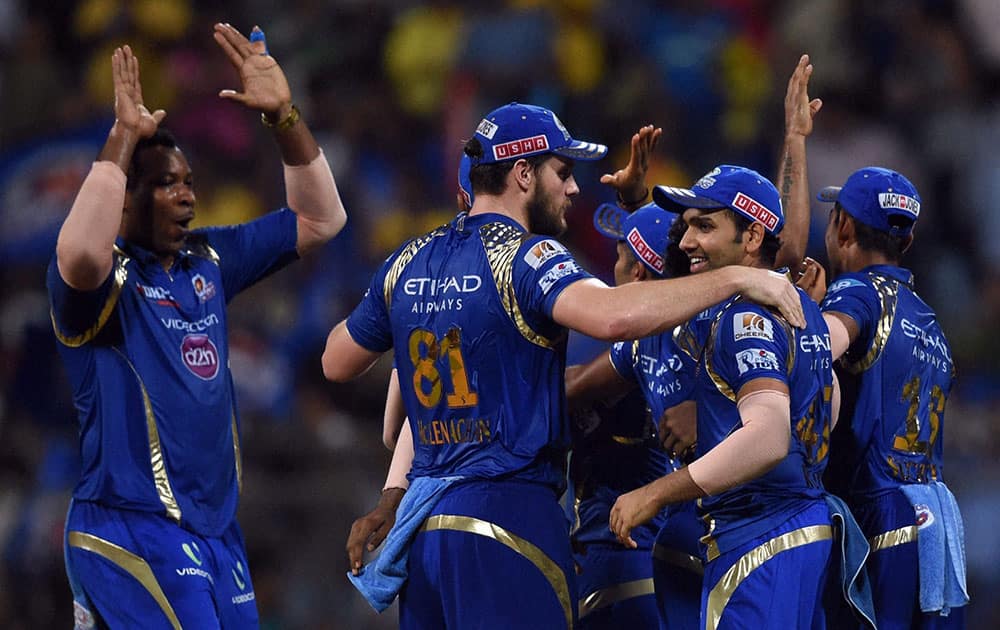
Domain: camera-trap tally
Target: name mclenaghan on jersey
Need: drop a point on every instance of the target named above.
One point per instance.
(467, 309)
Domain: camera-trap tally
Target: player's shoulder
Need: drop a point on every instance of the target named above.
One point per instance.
(850, 282)
(536, 250)
(746, 320)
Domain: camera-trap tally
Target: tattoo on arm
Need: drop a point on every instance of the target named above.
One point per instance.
(786, 180)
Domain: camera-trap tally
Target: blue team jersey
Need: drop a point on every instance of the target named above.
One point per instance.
(147, 355)
(467, 308)
(747, 342)
(624, 452)
(895, 379)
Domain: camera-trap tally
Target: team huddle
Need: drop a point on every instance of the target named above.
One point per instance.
(756, 449)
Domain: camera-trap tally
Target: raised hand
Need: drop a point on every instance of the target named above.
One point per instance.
(130, 112)
(799, 110)
(265, 88)
(630, 182)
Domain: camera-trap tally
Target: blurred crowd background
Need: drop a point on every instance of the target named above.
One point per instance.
(392, 88)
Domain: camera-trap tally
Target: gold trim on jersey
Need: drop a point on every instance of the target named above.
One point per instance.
(236, 455)
(888, 292)
(613, 594)
(501, 242)
(679, 559)
(550, 570)
(628, 441)
(752, 560)
(120, 274)
(686, 342)
(131, 564)
(157, 460)
(718, 381)
(404, 258)
(893, 537)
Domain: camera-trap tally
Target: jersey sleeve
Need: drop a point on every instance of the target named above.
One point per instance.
(750, 343)
(81, 314)
(858, 300)
(369, 323)
(543, 268)
(623, 361)
(251, 251)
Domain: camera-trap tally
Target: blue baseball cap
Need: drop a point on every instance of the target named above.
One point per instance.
(875, 196)
(515, 131)
(464, 184)
(740, 189)
(645, 231)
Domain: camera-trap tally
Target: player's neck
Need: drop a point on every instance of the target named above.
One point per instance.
(500, 204)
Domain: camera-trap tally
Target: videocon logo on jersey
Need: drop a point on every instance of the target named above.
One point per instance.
(192, 551)
(200, 356)
(239, 576)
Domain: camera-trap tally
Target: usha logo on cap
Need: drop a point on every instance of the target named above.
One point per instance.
(645, 252)
(754, 209)
(896, 201)
(524, 146)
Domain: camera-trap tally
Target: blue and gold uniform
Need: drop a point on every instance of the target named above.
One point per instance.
(467, 309)
(895, 379)
(665, 378)
(768, 545)
(147, 355)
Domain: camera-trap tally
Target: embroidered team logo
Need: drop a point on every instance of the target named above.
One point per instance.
(844, 284)
(756, 359)
(204, 289)
(200, 356)
(752, 326)
(708, 179)
(542, 251)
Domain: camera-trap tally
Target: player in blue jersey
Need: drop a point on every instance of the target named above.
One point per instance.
(138, 306)
(477, 312)
(763, 391)
(897, 371)
(676, 562)
(617, 449)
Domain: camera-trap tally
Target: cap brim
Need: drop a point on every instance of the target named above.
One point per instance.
(609, 219)
(587, 151)
(677, 200)
(829, 194)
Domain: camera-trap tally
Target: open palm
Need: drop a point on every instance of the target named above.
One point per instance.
(264, 85)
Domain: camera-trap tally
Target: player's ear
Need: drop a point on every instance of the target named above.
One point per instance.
(523, 173)
(754, 237)
(639, 271)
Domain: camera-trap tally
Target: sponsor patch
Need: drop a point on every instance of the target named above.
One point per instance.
(486, 128)
(752, 326)
(200, 356)
(896, 201)
(561, 270)
(524, 146)
(925, 517)
(752, 208)
(83, 619)
(643, 250)
(160, 295)
(204, 289)
(542, 251)
(756, 359)
(843, 284)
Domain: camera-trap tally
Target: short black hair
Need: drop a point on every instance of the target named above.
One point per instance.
(769, 246)
(869, 239)
(677, 262)
(160, 138)
(491, 178)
